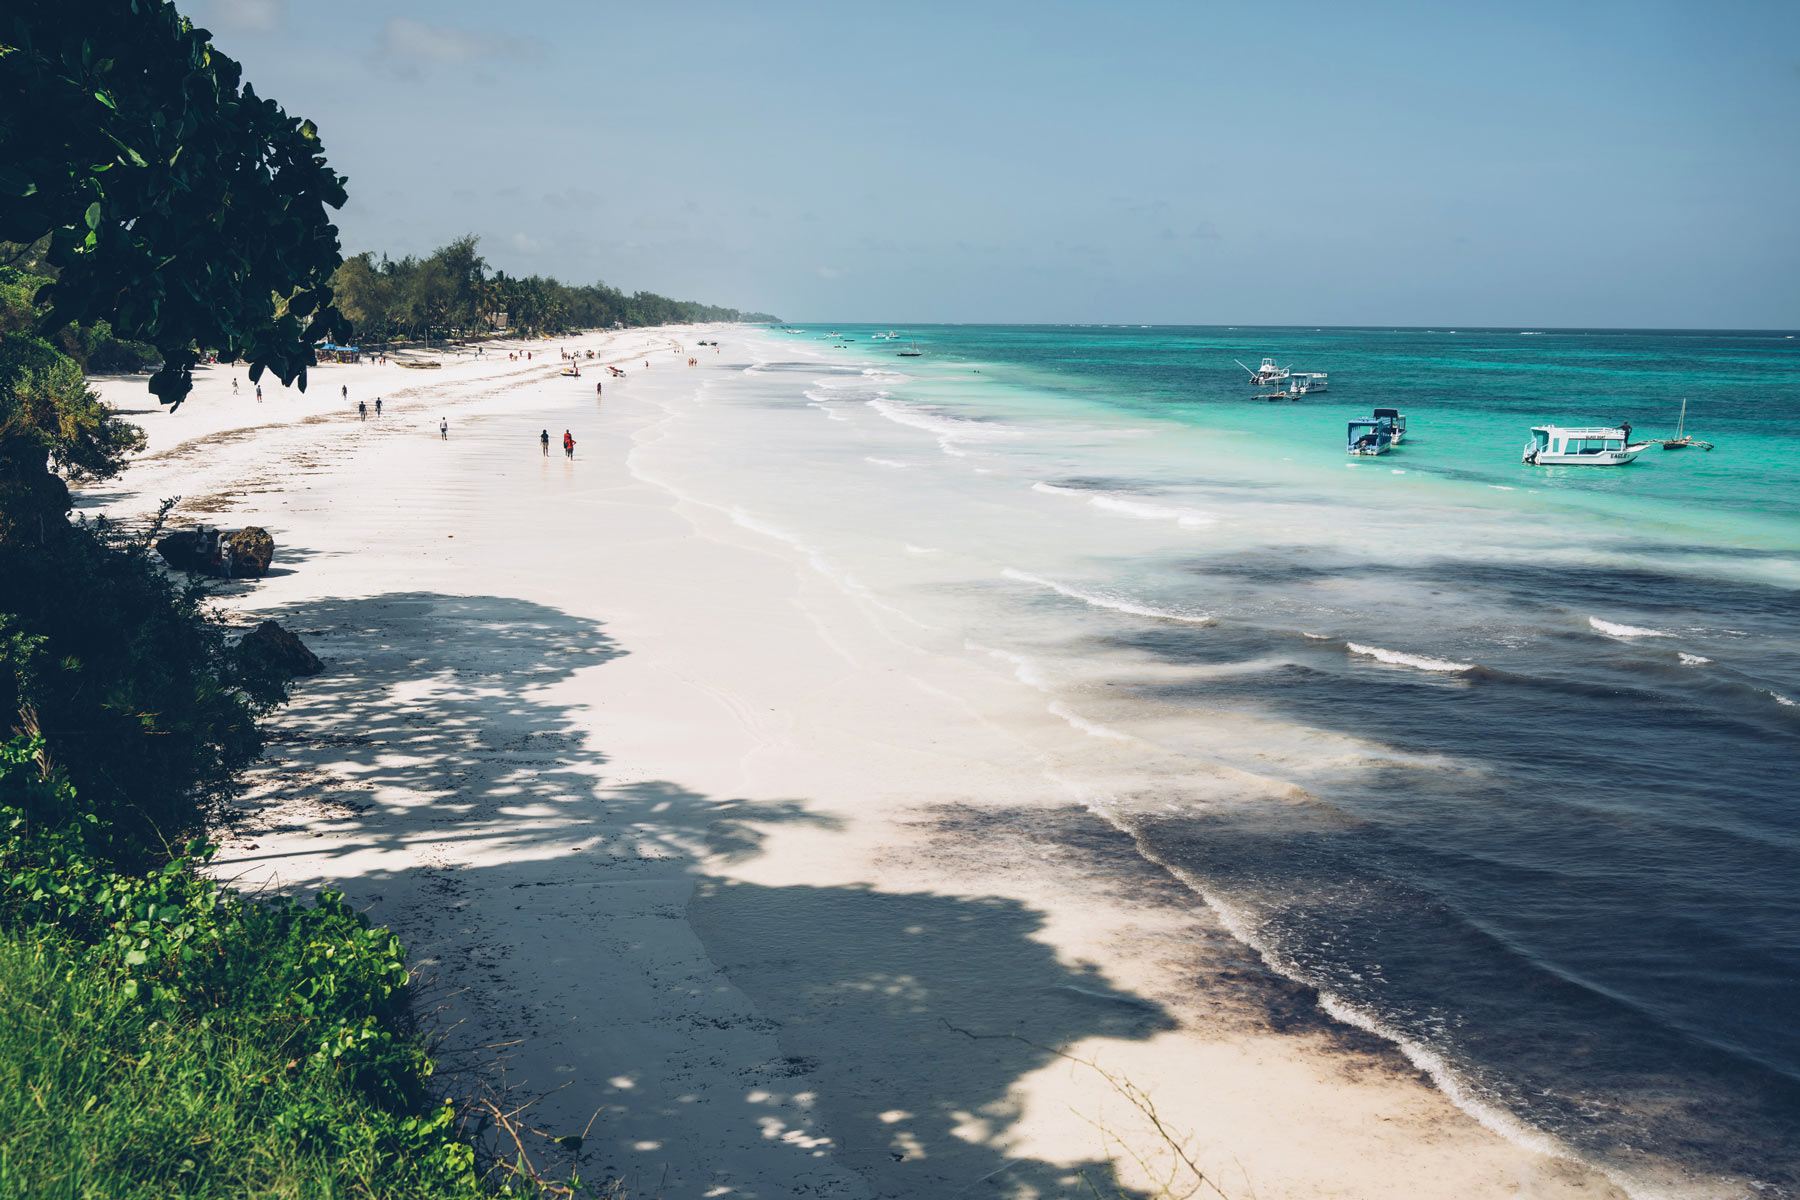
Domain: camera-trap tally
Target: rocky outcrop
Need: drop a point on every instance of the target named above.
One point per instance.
(186, 550)
(252, 550)
(274, 646)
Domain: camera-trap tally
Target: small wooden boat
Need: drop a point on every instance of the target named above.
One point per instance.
(1683, 439)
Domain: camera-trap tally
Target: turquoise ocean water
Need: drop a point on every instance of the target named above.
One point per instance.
(1542, 722)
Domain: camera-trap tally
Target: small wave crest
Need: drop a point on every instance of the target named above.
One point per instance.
(1614, 629)
(948, 430)
(1401, 659)
(1126, 506)
(1117, 603)
(1692, 660)
(1027, 673)
(1092, 728)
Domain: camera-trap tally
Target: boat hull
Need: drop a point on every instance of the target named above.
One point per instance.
(1605, 458)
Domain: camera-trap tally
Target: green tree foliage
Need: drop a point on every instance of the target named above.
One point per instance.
(162, 193)
(450, 291)
(48, 418)
(137, 696)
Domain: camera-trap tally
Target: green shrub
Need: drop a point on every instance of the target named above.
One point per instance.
(137, 695)
(104, 1095)
(160, 1035)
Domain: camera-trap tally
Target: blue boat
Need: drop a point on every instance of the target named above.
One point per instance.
(1371, 435)
(1399, 420)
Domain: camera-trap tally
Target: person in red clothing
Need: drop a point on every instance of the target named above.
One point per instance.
(568, 444)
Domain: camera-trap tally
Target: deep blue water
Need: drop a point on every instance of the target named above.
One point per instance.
(1594, 919)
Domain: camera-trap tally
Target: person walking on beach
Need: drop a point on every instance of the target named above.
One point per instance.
(444, 428)
(378, 406)
(544, 441)
(259, 393)
(568, 444)
(597, 389)
(362, 410)
(234, 390)
(345, 392)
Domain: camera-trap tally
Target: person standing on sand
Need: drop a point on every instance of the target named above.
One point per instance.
(378, 406)
(444, 428)
(345, 393)
(597, 390)
(259, 393)
(362, 410)
(544, 441)
(225, 558)
(568, 444)
(234, 390)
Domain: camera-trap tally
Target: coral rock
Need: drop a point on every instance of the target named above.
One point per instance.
(273, 644)
(252, 549)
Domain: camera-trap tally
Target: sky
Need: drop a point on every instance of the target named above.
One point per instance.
(1588, 164)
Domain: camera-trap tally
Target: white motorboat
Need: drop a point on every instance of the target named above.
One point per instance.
(1302, 382)
(1266, 374)
(1589, 446)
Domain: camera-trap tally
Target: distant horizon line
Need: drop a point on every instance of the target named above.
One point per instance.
(1444, 328)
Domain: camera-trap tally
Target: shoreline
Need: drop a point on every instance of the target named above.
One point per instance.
(583, 793)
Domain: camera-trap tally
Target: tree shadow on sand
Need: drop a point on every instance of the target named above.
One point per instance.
(771, 1041)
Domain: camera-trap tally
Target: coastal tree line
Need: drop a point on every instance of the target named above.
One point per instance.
(452, 292)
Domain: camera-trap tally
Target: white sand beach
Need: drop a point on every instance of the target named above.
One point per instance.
(688, 826)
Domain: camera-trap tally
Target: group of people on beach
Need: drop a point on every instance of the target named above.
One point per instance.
(362, 406)
(568, 443)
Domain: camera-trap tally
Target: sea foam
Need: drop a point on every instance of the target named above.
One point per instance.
(1127, 506)
(1401, 659)
(948, 430)
(1104, 600)
(1613, 629)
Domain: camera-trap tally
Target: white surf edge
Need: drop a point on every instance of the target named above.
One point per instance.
(1116, 604)
(1443, 1076)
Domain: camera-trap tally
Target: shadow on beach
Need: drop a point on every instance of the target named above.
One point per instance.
(765, 1039)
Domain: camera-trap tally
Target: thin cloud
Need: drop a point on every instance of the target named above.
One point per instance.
(414, 41)
(248, 16)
